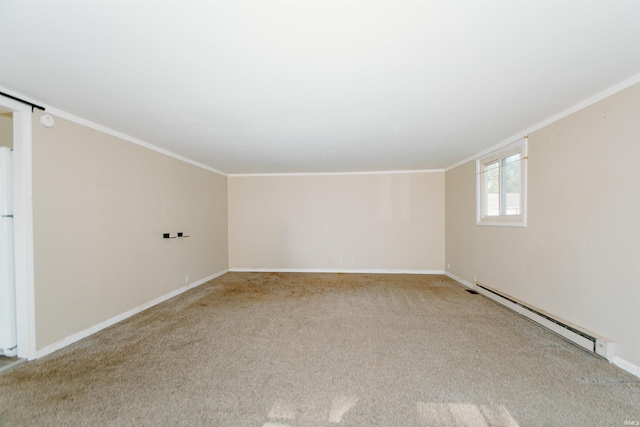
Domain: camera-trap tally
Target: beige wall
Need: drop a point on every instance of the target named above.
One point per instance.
(6, 130)
(371, 222)
(101, 205)
(579, 256)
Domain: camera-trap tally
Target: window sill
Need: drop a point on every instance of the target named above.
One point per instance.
(502, 223)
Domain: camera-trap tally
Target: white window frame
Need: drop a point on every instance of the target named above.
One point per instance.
(519, 146)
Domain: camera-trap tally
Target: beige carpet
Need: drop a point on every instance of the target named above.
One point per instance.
(322, 350)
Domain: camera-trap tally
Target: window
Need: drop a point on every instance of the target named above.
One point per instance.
(501, 186)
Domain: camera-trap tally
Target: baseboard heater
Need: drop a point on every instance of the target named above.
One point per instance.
(577, 335)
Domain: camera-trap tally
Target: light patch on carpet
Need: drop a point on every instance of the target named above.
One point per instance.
(282, 410)
(341, 406)
(464, 414)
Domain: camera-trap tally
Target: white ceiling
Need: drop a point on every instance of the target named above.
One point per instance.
(273, 87)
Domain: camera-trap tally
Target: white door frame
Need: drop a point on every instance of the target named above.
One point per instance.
(23, 227)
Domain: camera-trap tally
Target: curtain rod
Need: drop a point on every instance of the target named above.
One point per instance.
(23, 101)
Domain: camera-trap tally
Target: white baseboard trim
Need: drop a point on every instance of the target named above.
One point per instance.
(459, 280)
(627, 366)
(102, 325)
(330, 270)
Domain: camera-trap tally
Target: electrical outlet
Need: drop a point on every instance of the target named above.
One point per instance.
(340, 261)
(186, 278)
(448, 265)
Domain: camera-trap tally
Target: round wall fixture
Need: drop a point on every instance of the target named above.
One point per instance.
(47, 120)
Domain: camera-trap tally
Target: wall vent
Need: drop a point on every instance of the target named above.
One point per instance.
(577, 335)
